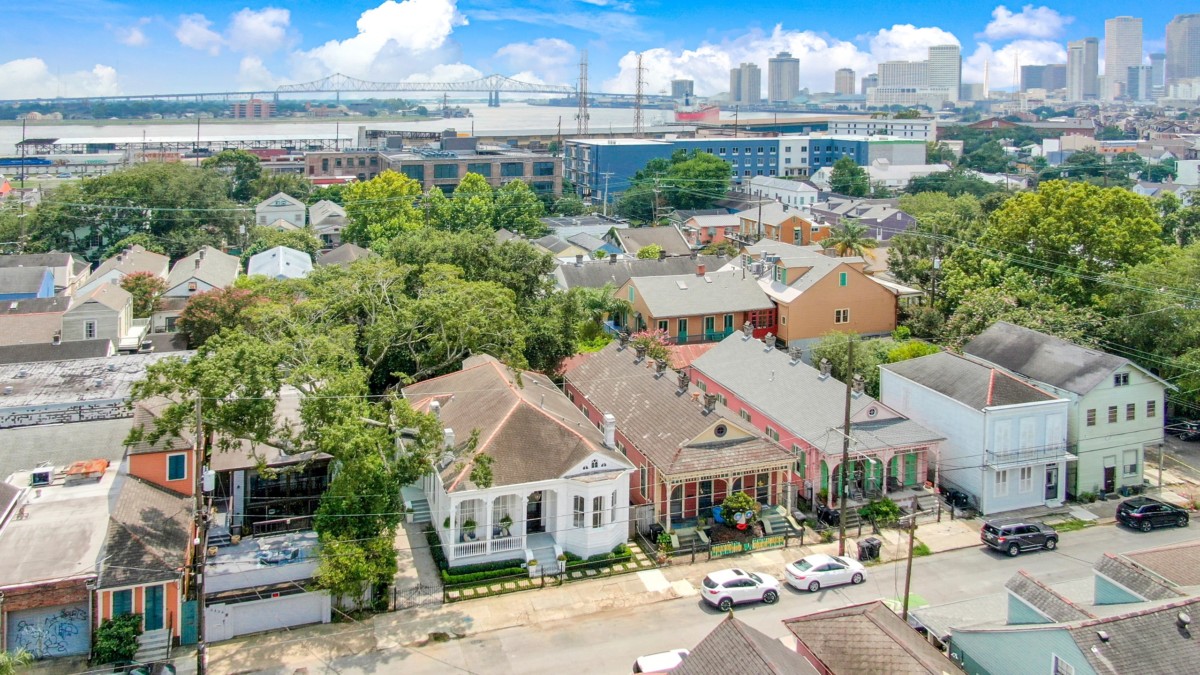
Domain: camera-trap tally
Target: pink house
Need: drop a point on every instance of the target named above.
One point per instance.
(703, 230)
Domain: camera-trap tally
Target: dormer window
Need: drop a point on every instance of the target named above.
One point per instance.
(1121, 380)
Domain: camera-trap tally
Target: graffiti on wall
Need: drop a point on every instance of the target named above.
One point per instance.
(53, 634)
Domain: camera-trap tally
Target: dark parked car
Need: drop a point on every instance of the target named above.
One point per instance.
(1012, 537)
(1145, 514)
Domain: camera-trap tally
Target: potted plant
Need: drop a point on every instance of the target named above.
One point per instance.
(468, 528)
(506, 522)
(532, 563)
(446, 523)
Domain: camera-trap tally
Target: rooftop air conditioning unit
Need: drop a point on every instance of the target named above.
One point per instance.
(41, 476)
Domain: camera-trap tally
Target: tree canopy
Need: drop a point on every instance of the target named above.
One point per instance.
(849, 179)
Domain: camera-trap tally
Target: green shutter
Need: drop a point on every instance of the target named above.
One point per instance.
(842, 279)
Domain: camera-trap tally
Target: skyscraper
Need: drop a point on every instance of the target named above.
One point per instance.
(1137, 85)
(869, 82)
(904, 74)
(945, 69)
(1158, 69)
(1049, 77)
(1183, 48)
(745, 84)
(1122, 51)
(1083, 65)
(783, 78)
(681, 89)
(843, 82)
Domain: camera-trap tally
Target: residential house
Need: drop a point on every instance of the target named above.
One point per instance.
(1116, 407)
(680, 216)
(69, 271)
(280, 206)
(204, 270)
(701, 231)
(561, 250)
(328, 219)
(698, 307)
(616, 271)
(864, 638)
(345, 255)
(734, 647)
(106, 312)
(132, 260)
(32, 322)
(56, 351)
(796, 405)
(690, 450)
(557, 483)
(1006, 440)
(817, 294)
(634, 239)
(779, 222)
(280, 263)
(881, 217)
(792, 193)
(592, 244)
(26, 283)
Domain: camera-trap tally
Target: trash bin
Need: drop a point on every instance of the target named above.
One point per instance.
(868, 549)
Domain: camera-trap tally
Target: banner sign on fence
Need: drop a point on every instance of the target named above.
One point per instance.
(728, 548)
(757, 544)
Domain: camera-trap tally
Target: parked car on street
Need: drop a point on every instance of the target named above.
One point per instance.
(1145, 514)
(725, 588)
(662, 662)
(64, 174)
(1187, 431)
(814, 572)
(1013, 537)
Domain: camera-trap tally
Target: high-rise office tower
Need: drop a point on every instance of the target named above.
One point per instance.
(945, 69)
(1049, 77)
(1083, 66)
(681, 89)
(904, 74)
(1183, 48)
(869, 82)
(1138, 83)
(1122, 51)
(783, 78)
(745, 84)
(843, 82)
(1158, 63)
(735, 85)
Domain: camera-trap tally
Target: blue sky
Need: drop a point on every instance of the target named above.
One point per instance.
(81, 47)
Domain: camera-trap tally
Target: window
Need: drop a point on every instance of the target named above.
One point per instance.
(735, 151)
(643, 479)
(1121, 380)
(441, 171)
(662, 323)
(683, 329)
(801, 460)
(1150, 407)
(1112, 414)
(416, 172)
(1026, 479)
(773, 434)
(1061, 667)
(1001, 484)
(176, 467)
(612, 504)
(512, 169)
(597, 511)
(843, 278)
(1130, 462)
(631, 293)
(1091, 417)
(577, 521)
(745, 414)
(841, 316)
(1130, 412)
(482, 168)
(721, 151)
(89, 329)
(122, 602)
(543, 168)
(721, 399)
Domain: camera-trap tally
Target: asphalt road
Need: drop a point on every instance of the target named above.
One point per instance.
(608, 642)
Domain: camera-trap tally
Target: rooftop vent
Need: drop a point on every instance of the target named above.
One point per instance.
(1184, 619)
(660, 367)
(22, 374)
(858, 385)
(1103, 635)
(445, 460)
(826, 368)
(710, 402)
(794, 353)
(435, 407)
(623, 339)
(747, 330)
(641, 352)
(769, 340)
(682, 379)
(8, 390)
(448, 437)
(682, 286)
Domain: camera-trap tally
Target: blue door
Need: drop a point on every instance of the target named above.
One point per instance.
(154, 608)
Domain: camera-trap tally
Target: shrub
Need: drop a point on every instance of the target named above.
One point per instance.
(435, 547)
(621, 550)
(473, 577)
(739, 502)
(116, 639)
(881, 511)
(664, 543)
(487, 566)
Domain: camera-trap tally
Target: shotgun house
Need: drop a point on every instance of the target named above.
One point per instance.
(803, 409)
(779, 223)
(700, 307)
(690, 450)
(703, 230)
(556, 484)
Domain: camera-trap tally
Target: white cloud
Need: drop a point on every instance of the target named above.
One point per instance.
(1004, 62)
(259, 32)
(545, 59)
(133, 36)
(1031, 22)
(31, 78)
(906, 42)
(194, 31)
(253, 75)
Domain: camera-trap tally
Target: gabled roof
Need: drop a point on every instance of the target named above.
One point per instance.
(867, 638)
(634, 239)
(1153, 640)
(280, 262)
(1134, 578)
(48, 351)
(773, 213)
(526, 425)
(109, 295)
(145, 414)
(722, 220)
(692, 295)
(586, 241)
(39, 260)
(595, 274)
(734, 647)
(1178, 564)
(795, 396)
(217, 269)
(662, 422)
(149, 531)
(52, 305)
(131, 261)
(23, 279)
(552, 244)
(1045, 358)
(1045, 600)
(345, 254)
(967, 381)
(279, 200)
(324, 210)
(681, 215)
(283, 225)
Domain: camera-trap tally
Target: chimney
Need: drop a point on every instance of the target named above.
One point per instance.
(682, 377)
(198, 262)
(579, 260)
(612, 258)
(435, 407)
(769, 340)
(858, 384)
(747, 330)
(660, 367)
(448, 437)
(795, 353)
(826, 368)
(622, 340)
(609, 426)
(202, 254)
(641, 352)
(700, 270)
(56, 339)
(662, 255)
(120, 256)
(710, 403)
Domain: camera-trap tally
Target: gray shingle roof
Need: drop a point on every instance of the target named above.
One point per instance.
(280, 262)
(671, 240)
(325, 210)
(774, 213)
(37, 260)
(596, 273)
(967, 381)
(1134, 578)
(1145, 641)
(47, 351)
(867, 638)
(795, 396)
(131, 261)
(527, 426)
(345, 254)
(1043, 357)
(55, 305)
(1044, 599)
(586, 241)
(148, 535)
(111, 296)
(22, 279)
(660, 421)
(1179, 564)
(552, 243)
(693, 295)
(218, 269)
(734, 647)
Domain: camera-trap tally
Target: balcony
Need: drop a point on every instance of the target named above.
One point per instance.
(1035, 455)
(484, 547)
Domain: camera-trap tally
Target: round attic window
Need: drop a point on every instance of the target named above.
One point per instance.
(872, 411)
(720, 430)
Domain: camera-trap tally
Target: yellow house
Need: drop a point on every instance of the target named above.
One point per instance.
(778, 222)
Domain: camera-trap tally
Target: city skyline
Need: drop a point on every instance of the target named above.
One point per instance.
(101, 47)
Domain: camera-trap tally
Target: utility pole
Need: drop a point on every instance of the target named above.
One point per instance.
(606, 175)
(845, 449)
(1161, 457)
(638, 119)
(760, 228)
(912, 530)
(581, 117)
(201, 541)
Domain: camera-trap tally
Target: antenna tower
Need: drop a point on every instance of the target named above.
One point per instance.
(638, 117)
(581, 117)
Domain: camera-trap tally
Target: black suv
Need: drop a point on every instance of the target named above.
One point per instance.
(1014, 537)
(1146, 514)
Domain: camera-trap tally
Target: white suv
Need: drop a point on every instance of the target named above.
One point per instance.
(727, 588)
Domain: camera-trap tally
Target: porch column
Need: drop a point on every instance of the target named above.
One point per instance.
(524, 515)
(487, 520)
(887, 461)
(669, 489)
(789, 491)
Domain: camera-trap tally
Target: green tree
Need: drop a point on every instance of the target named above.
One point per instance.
(1180, 224)
(137, 239)
(910, 114)
(208, 312)
(473, 204)
(381, 208)
(698, 180)
(651, 252)
(332, 193)
(349, 567)
(241, 168)
(116, 640)
(516, 265)
(271, 184)
(868, 355)
(1016, 299)
(924, 204)
(739, 503)
(954, 183)
(638, 203)
(725, 248)
(569, 206)
(849, 239)
(988, 158)
(146, 289)
(936, 153)
(518, 209)
(849, 179)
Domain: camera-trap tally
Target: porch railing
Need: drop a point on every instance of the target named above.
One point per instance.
(470, 548)
(298, 523)
(485, 546)
(1025, 455)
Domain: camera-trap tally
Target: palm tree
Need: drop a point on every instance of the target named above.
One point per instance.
(850, 239)
(10, 662)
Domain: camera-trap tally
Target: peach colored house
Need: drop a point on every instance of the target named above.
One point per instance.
(700, 307)
(703, 230)
(779, 222)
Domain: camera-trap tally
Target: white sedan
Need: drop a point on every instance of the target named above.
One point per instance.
(811, 573)
(727, 588)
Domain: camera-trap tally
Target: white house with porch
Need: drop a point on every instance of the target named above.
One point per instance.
(556, 484)
(1006, 440)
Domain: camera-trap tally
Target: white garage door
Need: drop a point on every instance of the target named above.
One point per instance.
(49, 631)
(222, 622)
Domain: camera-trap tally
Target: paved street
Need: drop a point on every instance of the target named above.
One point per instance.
(609, 641)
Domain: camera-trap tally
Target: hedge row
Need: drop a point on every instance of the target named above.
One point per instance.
(474, 577)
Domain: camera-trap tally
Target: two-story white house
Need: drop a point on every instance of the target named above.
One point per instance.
(131, 260)
(206, 269)
(552, 482)
(280, 206)
(1116, 409)
(1006, 440)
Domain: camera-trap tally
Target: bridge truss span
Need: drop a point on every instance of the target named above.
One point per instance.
(492, 83)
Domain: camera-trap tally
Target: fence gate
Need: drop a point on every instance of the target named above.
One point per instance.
(643, 516)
